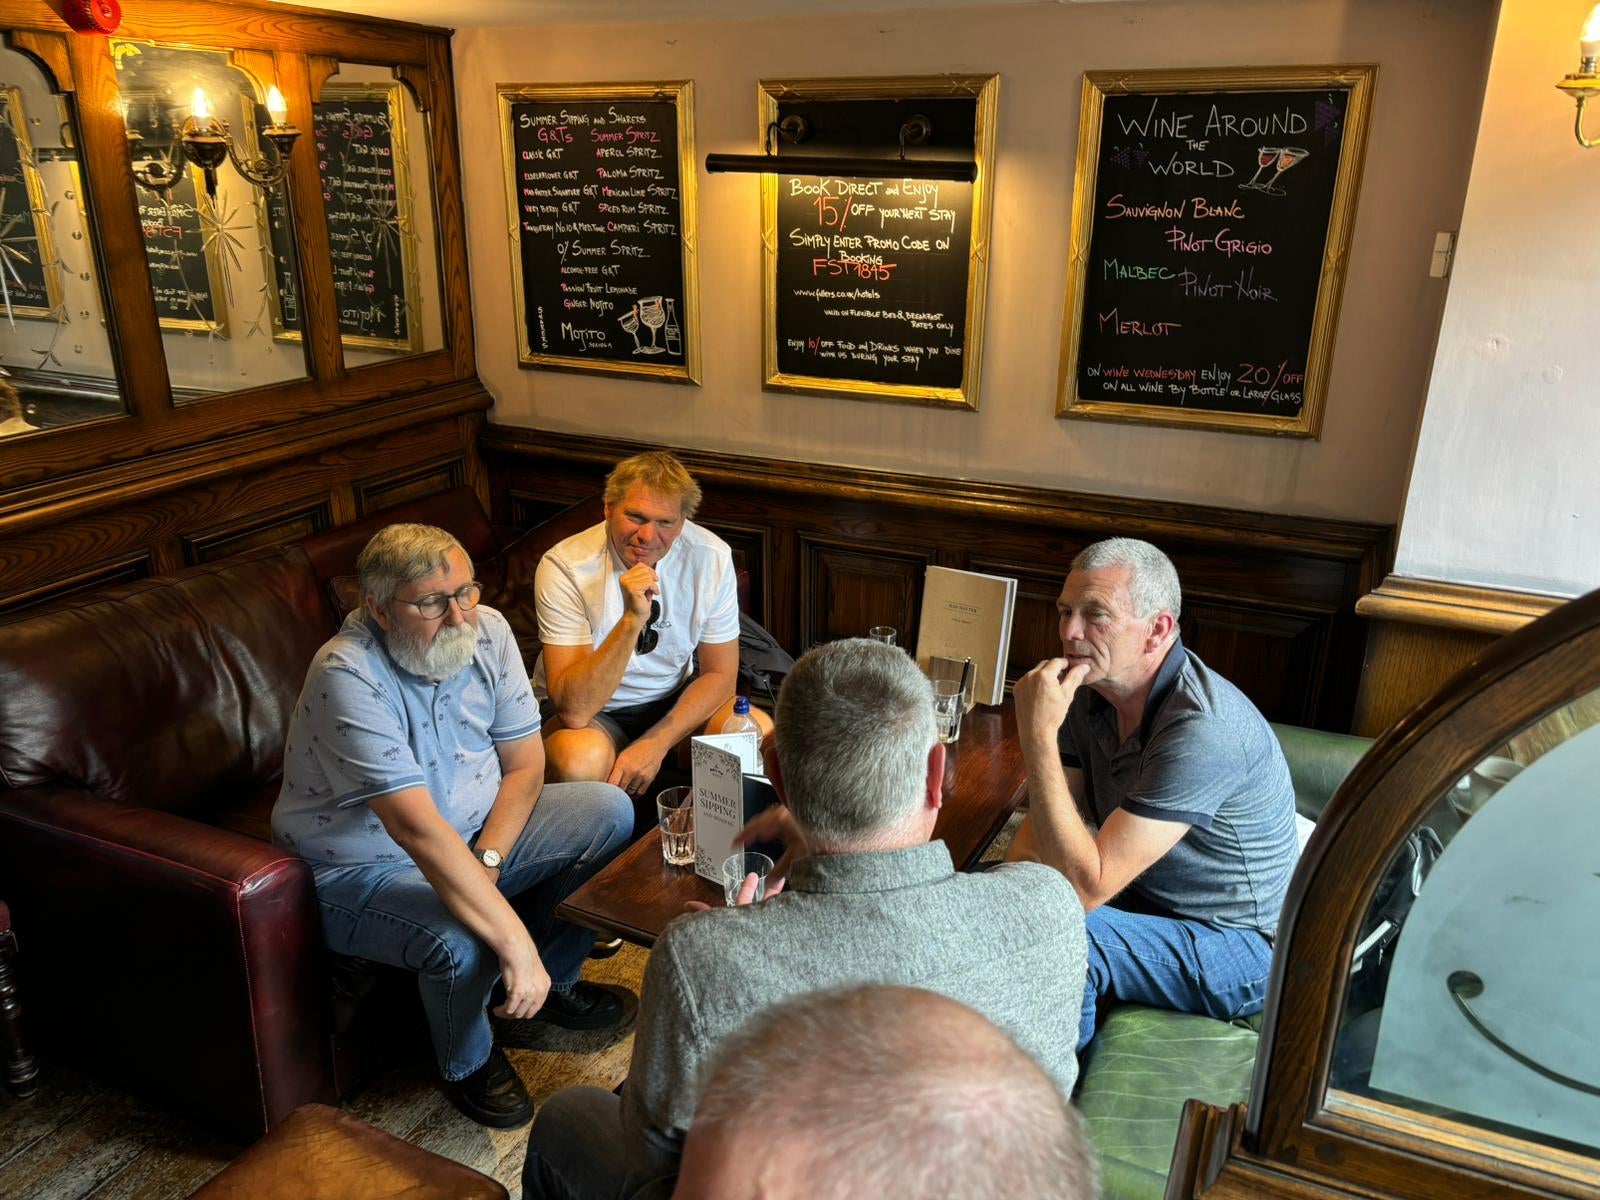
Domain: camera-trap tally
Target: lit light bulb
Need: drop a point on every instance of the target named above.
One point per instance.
(1589, 39)
(202, 107)
(276, 108)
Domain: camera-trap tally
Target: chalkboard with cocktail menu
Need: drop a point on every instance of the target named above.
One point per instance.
(30, 278)
(874, 284)
(1211, 226)
(362, 159)
(180, 245)
(601, 205)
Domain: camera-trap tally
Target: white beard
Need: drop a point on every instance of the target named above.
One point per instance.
(448, 651)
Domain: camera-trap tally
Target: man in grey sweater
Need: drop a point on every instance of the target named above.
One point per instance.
(869, 900)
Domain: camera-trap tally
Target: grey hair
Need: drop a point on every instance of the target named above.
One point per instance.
(1152, 579)
(397, 554)
(895, 1091)
(854, 728)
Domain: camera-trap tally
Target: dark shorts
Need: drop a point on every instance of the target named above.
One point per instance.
(625, 725)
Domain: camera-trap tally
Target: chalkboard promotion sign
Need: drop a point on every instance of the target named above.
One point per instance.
(1211, 226)
(601, 202)
(185, 273)
(30, 279)
(362, 159)
(874, 285)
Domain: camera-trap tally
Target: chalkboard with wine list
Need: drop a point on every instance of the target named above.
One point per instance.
(874, 284)
(362, 159)
(1211, 226)
(600, 200)
(30, 278)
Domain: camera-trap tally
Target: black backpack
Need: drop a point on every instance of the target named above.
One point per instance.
(1391, 904)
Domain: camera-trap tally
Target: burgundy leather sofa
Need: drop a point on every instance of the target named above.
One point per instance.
(171, 946)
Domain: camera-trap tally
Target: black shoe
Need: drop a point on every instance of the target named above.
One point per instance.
(605, 949)
(586, 1006)
(493, 1094)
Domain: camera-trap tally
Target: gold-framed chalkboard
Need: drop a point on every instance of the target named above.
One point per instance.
(874, 288)
(1211, 225)
(30, 273)
(363, 161)
(182, 244)
(600, 205)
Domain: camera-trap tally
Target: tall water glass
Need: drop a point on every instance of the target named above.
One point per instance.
(882, 633)
(737, 868)
(947, 709)
(675, 811)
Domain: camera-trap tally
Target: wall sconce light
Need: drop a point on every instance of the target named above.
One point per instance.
(1584, 84)
(795, 129)
(206, 142)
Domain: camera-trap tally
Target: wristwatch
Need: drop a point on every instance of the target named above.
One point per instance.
(490, 858)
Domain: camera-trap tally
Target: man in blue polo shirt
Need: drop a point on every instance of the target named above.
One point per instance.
(413, 784)
(1185, 877)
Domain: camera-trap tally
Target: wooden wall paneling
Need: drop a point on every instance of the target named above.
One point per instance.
(300, 80)
(1406, 664)
(123, 569)
(398, 487)
(259, 529)
(449, 208)
(847, 587)
(1271, 599)
(752, 553)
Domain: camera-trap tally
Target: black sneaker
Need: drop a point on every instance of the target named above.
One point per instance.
(586, 1006)
(493, 1094)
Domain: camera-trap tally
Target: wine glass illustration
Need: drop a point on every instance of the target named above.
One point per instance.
(1265, 157)
(653, 316)
(630, 325)
(1287, 157)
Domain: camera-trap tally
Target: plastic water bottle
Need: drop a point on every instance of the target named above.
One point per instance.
(741, 721)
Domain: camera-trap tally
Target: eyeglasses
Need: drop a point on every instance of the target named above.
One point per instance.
(435, 606)
(649, 636)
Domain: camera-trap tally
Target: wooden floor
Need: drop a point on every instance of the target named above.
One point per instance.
(75, 1138)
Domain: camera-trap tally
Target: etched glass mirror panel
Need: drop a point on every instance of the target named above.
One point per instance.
(213, 269)
(377, 190)
(1472, 994)
(55, 354)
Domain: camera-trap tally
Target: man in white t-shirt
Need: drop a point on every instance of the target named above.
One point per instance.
(639, 617)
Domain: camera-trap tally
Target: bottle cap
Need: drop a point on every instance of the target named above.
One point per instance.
(741, 704)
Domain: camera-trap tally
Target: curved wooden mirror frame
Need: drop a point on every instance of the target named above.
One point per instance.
(1287, 1141)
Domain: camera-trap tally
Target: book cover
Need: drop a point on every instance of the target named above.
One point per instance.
(966, 614)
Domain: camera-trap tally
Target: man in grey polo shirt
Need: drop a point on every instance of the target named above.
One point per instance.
(869, 900)
(1184, 880)
(413, 783)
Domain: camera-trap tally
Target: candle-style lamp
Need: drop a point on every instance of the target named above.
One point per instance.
(1584, 83)
(207, 143)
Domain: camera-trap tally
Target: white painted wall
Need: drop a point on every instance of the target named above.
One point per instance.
(1432, 56)
(1505, 487)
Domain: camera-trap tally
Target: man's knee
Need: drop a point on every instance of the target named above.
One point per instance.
(578, 755)
(575, 1142)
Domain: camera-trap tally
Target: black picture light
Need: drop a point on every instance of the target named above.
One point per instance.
(795, 129)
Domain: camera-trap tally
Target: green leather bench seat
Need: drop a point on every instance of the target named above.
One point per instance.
(1145, 1062)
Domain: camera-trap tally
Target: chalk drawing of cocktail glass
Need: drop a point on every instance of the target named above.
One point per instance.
(1265, 157)
(1287, 157)
(654, 317)
(630, 325)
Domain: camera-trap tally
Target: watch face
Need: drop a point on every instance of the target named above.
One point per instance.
(490, 858)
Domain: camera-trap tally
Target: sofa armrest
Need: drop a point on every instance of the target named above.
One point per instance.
(1318, 763)
(183, 958)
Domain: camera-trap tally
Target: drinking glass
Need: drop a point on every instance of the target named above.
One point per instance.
(882, 633)
(1288, 156)
(653, 317)
(947, 709)
(738, 867)
(675, 811)
(1265, 157)
(630, 325)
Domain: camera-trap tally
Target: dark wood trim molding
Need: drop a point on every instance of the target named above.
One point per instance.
(1461, 606)
(1269, 600)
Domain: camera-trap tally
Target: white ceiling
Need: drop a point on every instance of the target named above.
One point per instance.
(460, 14)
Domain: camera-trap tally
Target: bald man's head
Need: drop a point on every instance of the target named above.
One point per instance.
(881, 1091)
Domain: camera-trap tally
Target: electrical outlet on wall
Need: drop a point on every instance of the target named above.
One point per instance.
(1444, 249)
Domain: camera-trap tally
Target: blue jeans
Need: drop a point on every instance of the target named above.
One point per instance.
(389, 913)
(1171, 962)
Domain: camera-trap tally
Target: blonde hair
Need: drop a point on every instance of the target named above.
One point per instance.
(10, 401)
(658, 471)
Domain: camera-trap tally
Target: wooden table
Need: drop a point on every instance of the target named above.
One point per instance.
(637, 894)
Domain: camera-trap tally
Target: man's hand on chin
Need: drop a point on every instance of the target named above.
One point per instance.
(1043, 696)
(637, 765)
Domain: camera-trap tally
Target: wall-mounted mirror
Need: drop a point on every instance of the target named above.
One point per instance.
(373, 151)
(215, 272)
(54, 350)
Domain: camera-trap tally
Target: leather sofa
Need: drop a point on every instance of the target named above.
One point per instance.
(1144, 1063)
(171, 947)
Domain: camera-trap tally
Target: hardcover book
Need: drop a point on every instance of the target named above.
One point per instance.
(966, 614)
